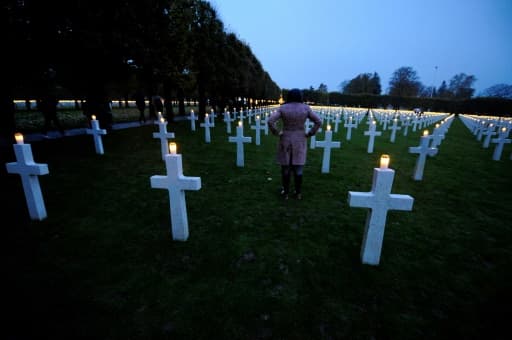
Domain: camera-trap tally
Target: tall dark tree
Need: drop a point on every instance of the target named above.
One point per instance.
(461, 86)
(404, 82)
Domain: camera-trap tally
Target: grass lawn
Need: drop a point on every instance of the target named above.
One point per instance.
(103, 264)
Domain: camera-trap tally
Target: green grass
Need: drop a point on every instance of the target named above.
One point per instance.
(103, 265)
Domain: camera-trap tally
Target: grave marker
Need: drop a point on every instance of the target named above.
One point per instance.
(379, 200)
(29, 172)
(176, 184)
(96, 133)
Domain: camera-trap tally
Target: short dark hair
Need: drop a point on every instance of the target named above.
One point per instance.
(294, 96)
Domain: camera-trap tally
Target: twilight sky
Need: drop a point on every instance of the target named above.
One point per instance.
(303, 43)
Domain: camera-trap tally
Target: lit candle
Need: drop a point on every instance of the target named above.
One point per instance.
(162, 119)
(503, 129)
(206, 116)
(257, 117)
(172, 148)
(425, 133)
(19, 138)
(384, 161)
(328, 127)
(240, 123)
(93, 117)
(437, 125)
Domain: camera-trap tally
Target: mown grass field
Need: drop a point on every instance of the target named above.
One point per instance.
(103, 264)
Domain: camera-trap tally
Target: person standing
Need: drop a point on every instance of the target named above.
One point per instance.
(292, 146)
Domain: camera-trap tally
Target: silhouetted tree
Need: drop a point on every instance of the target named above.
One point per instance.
(404, 82)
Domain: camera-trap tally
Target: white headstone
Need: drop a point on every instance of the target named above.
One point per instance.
(29, 170)
(489, 132)
(327, 144)
(176, 183)
(379, 200)
(207, 125)
(393, 129)
(372, 133)
(96, 133)
(240, 140)
(500, 142)
(163, 135)
(258, 127)
(350, 125)
(423, 150)
(192, 119)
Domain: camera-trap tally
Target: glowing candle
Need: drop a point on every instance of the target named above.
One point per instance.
(19, 138)
(240, 123)
(425, 133)
(328, 127)
(172, 148)
(162, 119)
(503, 129)
(93, 117)
(384, 161)
(257, 117)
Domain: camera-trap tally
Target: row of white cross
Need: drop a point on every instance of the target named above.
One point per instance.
(483, 128)
(379, 200)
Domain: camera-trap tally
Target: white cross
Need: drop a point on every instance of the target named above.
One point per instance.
(350, 125)
(489, 132)
(372, 133)
(406, 123)
(207, 124)
(192, 119)
(240, 140)
(500, 142)
(96, 132)
(337, 121)
(423, 150)
(163, 135)
(176, 183)
(258, 127)
(379, 200)
(393, 129)
(327, 144)
(29, 170)
(228, 120)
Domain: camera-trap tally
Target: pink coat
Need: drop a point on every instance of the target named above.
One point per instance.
(292, 145)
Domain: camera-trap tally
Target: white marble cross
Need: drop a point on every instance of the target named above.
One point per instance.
(228, 120)
(372, 133)
(489, 132)
(163, 135)
(423, 150)
(192, 119)
(406, 125)
(379, 200)
(500, 142)
(176, 183)
(207, 125)
(337, 121)
(29, 170)
(258, 127)
(350, 125)
(96, 132)
(240, 140)
(327, 144)
(393, 129)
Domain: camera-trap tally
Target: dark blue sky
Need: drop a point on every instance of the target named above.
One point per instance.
(303, 43)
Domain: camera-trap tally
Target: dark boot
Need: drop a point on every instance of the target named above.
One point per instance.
(286, 185)
(298, 186)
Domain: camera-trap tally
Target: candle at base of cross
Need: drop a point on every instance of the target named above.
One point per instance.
(384, 161)
(173, 149)
(18, 137)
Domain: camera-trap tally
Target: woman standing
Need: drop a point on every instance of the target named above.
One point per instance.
(292, 147)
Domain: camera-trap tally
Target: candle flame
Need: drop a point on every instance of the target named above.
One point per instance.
(93, 117)
(172, 148)
(18, 137)
(384, 161)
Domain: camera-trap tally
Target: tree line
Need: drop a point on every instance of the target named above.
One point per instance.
(100, 49)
